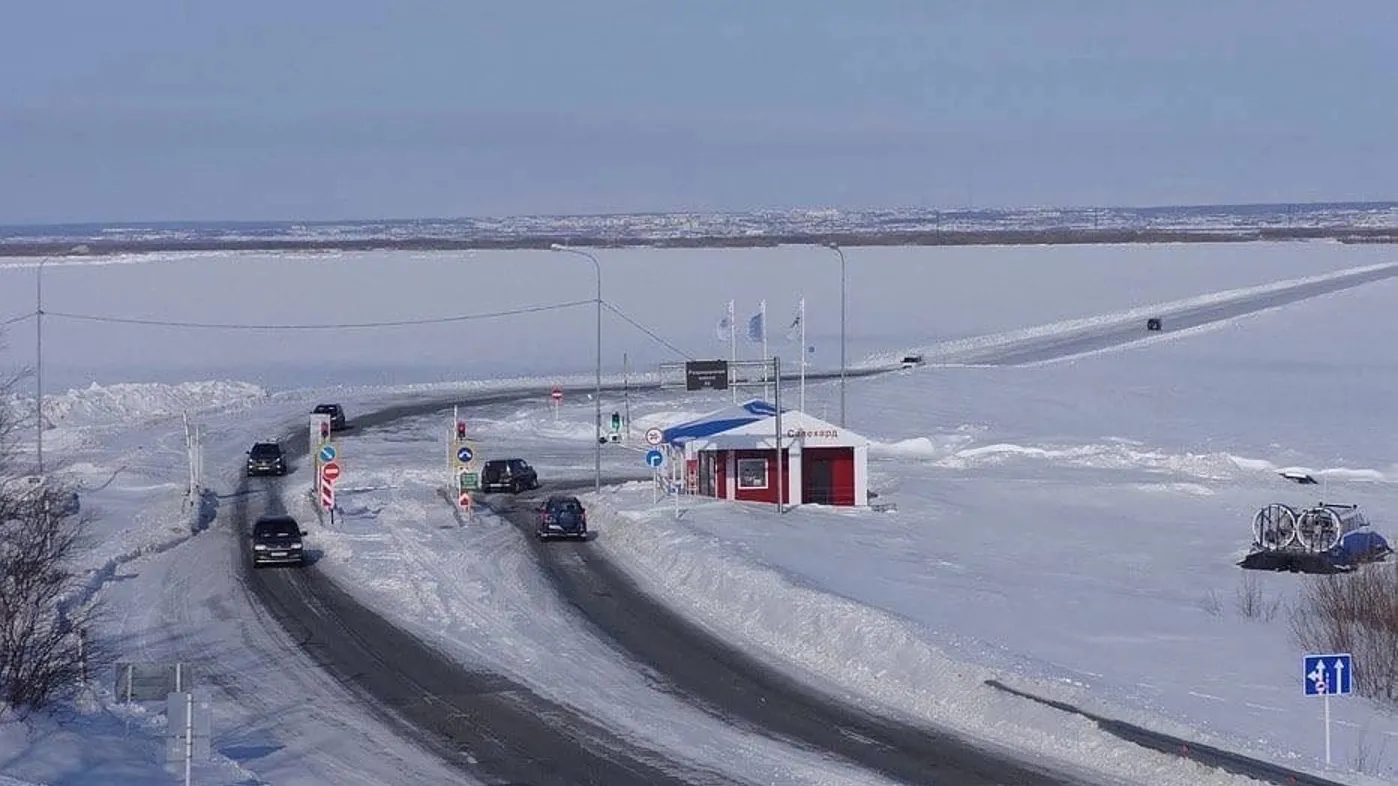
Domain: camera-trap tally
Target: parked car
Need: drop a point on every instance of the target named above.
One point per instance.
(1153, 324)
(276, 540)
(266, 458)
(912, 361)
(513, 475)
(336, 413)
(562, 516)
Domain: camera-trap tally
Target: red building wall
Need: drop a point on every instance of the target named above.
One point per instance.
(768, 494)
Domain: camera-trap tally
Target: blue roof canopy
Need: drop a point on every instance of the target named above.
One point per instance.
(718, 421)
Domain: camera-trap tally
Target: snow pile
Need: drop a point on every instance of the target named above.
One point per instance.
(865, 653)
(132, 402)
(954, 452)
(968, 350)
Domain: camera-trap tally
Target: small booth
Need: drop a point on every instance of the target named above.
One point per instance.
(821, 463)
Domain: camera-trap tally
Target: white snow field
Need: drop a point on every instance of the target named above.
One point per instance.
(1006, 557)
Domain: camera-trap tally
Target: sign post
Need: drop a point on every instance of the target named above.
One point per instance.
(467, 481)
(1326, 675)
(654, 459)
(320, 435)
(557, 397)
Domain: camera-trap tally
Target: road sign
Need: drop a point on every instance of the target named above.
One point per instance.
(331, 472)
(464, 500)
(557, 394)
(1328, 675)
(469, 481)
(327, 453)
(654, 436)
(654, 458)
(464, 454)
(327, 496)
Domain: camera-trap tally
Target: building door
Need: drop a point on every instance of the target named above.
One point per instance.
(817, 480)
(707, 473)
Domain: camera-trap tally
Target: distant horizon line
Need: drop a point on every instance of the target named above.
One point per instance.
(663, 213)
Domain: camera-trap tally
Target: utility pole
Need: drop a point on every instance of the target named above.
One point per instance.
(39, 366)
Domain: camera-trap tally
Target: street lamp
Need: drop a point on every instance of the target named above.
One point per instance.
(39, 365)
(833, 246)
(597, 394)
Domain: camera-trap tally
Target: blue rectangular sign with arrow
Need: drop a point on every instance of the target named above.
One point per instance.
(1328, 675)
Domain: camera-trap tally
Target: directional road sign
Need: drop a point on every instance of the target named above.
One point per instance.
(654, 458)
(464, 454)
(330, 472)
(1328, 675)
(654, 436)
(327, 453)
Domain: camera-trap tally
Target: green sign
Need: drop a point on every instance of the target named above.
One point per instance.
(616, 421)
(470, 481)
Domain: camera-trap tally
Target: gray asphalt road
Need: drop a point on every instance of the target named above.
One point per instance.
(1064, 345)
(493, 729)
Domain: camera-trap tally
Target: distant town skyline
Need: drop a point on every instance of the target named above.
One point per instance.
(354, 110)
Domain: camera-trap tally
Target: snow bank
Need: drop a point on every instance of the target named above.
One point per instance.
(953, 451)
(129, 403)
(866, 654)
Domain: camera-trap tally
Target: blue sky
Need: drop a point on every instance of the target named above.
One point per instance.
(164, 110)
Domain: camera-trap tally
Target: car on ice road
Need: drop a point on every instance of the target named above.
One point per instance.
(266, 458)
(276, 540)
(562, 516)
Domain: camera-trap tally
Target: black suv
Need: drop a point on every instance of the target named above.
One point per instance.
(266, 458)
(512, 475)
(336, 413)
(276, 540)
(562, 516)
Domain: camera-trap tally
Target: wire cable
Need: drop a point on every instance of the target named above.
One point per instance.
(648, 332)
(321, 326)
(17, 318)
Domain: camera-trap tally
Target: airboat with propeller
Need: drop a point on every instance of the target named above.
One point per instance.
(1326, 538)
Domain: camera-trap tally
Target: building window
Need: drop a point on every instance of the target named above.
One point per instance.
(752, 473)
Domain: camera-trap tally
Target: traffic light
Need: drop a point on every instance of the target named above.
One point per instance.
(461, 429)
(325, 431)
(616, 421)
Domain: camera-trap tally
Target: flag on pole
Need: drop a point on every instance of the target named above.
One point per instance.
(724, 331)
(757, 331)
(793, 331)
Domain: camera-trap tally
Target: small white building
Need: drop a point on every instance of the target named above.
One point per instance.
(820, 463)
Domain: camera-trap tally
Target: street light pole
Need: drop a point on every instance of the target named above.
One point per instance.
(833, 246)
(597, 393)
(39, 365)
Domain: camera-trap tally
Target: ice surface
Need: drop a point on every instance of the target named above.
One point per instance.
(1174, 443)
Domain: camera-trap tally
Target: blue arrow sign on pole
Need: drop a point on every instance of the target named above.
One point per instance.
(1328, 675)
(327, 453)
(464, 454)
(654, 458)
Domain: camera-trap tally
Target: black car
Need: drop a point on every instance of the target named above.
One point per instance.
(336, 413)
(512, 475)
(1153, 324)
(276, 540)
(562, 516)
(266, 458)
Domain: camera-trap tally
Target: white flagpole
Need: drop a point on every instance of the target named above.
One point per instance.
(766, 356)
(732, 348)
(802, 316)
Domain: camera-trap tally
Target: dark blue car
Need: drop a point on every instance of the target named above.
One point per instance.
(562, 516)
